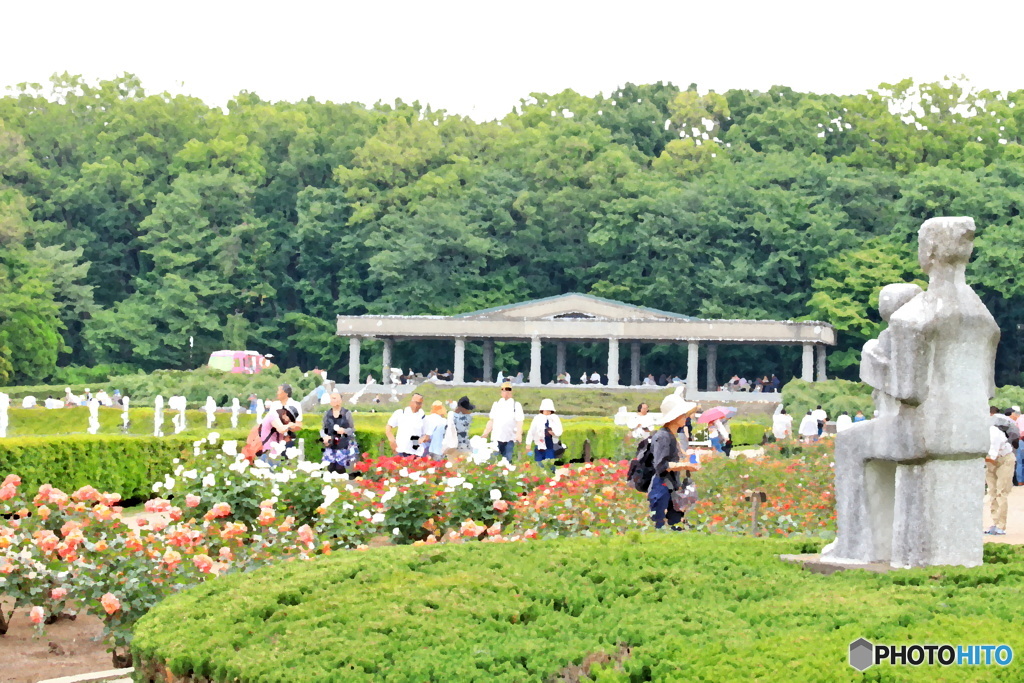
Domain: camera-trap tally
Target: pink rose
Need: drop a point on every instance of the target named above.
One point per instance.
(110, 603)
(266, 517)
(158, 505)
(110, 499)
(171, 558)
(203, 563)
(218, 510)
(85, 493)
(306, 534)
(500, 505)
(36, 615)
(8, 491)
(192, 500)
(59, 593)
(12, 480)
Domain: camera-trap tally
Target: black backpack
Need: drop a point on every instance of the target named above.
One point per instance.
(641, 467)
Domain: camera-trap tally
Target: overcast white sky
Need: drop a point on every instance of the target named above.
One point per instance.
(480, 58)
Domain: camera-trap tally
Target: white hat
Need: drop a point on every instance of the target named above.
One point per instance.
(674, 406)
(547, 404)
(1015, 409)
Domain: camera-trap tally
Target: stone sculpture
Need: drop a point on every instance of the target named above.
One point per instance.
(261, 408)
(125, 422)
(236, 408)
(910, 483)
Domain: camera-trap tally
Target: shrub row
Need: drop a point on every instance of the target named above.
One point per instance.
(128, 465)
(643, 607)
(834, 395)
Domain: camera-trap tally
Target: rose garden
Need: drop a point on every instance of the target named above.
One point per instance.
(398, 600)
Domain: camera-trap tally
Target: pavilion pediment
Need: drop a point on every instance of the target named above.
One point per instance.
(572, 307)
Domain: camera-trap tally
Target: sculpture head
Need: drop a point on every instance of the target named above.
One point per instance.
(945, 241)
(892, 297)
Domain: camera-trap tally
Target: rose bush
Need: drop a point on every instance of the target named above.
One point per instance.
(217, 514)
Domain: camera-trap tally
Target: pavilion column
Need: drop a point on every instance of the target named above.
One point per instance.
(712, 362)
(460, 361)
(821, 363)
(535, 361)
(807, 371)
(389, 345)
(560, 358)
(488, 360)
(354, 346)
(692, 361)
(613, 362)
(634, 363)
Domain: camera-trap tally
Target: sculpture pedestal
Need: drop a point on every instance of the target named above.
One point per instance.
(939, 513)
(816, 564)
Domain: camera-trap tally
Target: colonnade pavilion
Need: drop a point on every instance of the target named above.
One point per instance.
(577, 318)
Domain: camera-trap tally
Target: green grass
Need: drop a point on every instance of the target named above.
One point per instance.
(688, 607)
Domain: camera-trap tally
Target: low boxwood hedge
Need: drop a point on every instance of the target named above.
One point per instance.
(641, 607)
(127, 465)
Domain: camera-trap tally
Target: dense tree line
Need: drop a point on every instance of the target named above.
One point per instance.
(130, 222)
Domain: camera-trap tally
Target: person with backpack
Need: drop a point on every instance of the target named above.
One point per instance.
(270, 435)
(338, 433)
(667, 461)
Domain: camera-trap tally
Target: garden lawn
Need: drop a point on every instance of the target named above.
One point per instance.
(689, 606)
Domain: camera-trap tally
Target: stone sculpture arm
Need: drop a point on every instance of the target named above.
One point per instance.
(874, 363)
(909, 362)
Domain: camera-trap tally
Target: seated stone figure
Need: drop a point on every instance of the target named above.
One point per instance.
(910, 483)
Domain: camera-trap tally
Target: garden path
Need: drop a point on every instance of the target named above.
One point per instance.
(1014, 519)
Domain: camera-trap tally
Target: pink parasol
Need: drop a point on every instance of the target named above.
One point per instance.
(719, 413)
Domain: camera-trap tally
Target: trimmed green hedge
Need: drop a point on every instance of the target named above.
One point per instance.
(125, 465)
(643, 607)
(606, 439)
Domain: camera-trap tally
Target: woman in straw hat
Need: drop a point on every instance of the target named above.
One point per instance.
(668, 460)
(544, 432)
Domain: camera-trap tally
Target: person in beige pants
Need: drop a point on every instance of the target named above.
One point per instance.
(999, 464)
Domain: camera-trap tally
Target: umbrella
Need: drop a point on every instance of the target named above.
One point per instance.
(719, 413)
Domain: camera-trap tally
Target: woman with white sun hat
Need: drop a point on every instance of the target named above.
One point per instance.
(668, 461)
(544, 432)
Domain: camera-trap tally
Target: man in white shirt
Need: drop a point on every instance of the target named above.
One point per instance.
(405, 428)
(822, 417)
(782, 425)
(642, 423)
(843, 422)
(506, 421)
(808, 428)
